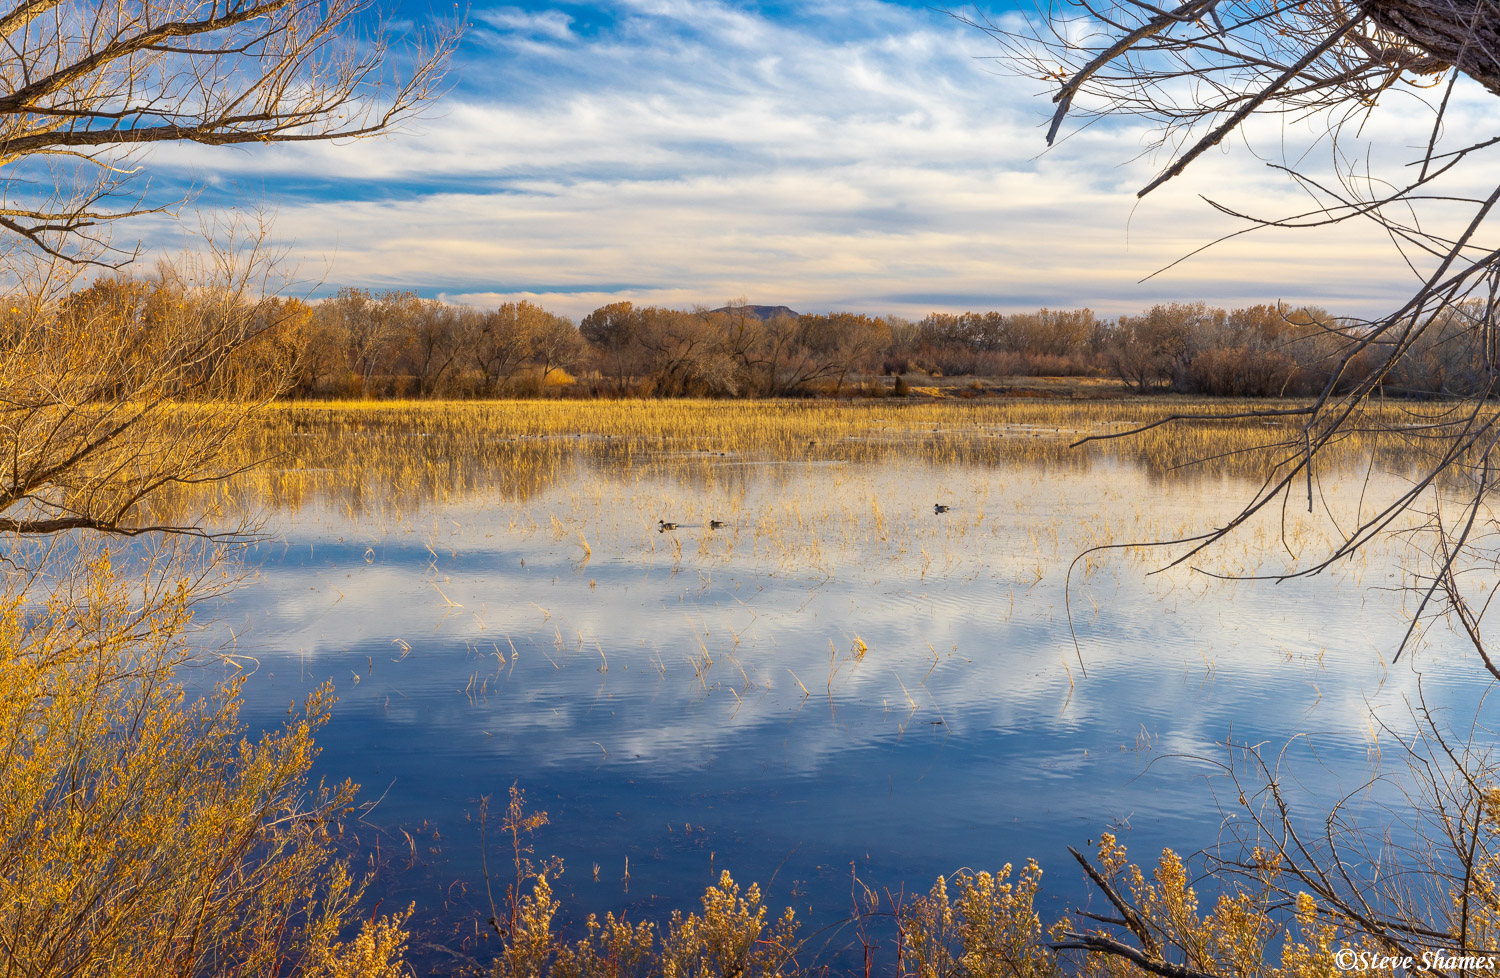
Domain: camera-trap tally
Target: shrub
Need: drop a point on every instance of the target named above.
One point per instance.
(732, 937)
(138, 830)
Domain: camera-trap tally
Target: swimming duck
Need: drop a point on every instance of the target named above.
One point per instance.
(939, 508)
(663, 526)
(715, 524)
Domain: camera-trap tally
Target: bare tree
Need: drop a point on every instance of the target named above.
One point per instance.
(686, 353)
(843, 340)
(555, 345)
(84, 84)
(613, 332)
(783, 355)
(98, 390)
(1146, 350)
(140, 831)
(1201, 72)
(434, 343)
(372, 328)
(1206, 69)
(503, 342)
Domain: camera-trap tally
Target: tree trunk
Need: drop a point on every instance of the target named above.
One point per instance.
(1463, 33)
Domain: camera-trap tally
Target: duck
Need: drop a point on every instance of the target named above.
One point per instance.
(663, 526)
(715, 524)
(939, 508)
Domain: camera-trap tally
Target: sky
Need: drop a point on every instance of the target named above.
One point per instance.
(844, 155)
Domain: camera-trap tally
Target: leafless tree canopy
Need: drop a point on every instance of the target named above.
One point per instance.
(1202, 72)
(84, 83)
(1205, 70)
(1462, 33)
(98, 388)
(129, 388)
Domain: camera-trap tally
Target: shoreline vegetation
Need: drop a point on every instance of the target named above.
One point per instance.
(396, 345)
(969, 924)
(387, 457)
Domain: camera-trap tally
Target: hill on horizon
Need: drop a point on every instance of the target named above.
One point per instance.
(762, 312)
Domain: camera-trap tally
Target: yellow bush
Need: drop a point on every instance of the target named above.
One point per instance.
(140, 833)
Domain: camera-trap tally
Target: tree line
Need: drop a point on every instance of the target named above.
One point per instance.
(360, 343)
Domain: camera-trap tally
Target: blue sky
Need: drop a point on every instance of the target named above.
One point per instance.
(845, 155)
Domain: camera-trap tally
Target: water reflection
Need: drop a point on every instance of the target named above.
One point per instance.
(839, 682)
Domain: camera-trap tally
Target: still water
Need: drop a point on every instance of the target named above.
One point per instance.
(838, 689)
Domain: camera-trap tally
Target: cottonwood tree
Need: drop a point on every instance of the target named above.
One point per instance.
(777, 356)
(555, 345)
(83, 87)
(611, 331)
(1203, 72)
(842, 340)
(1146, 350)
(685, 353)
(432, 344)
(1055, 332)
(371, 329)
(503, 340)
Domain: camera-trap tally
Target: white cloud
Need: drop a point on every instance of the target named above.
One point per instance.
(552, 24)
(867, 158)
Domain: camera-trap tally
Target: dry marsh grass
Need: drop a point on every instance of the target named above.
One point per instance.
(821, 486)
(422, 450)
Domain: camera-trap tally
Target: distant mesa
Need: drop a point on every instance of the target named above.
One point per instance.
(761, 312)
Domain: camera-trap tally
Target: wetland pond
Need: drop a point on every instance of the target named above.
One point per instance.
(837, 685)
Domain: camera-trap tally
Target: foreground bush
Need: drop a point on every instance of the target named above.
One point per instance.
(984, 925)
(140, 834)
